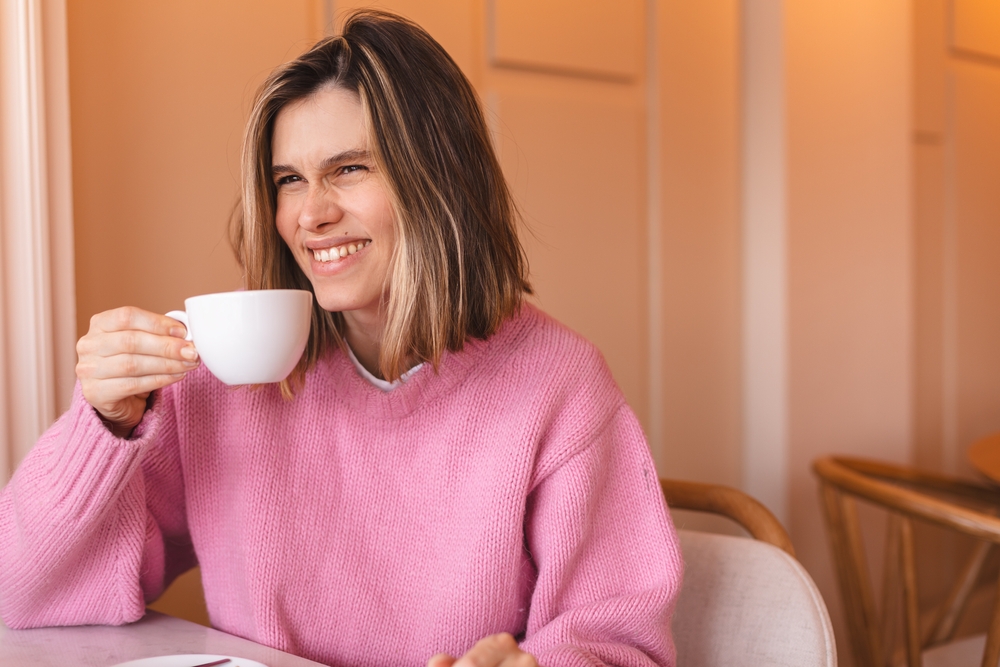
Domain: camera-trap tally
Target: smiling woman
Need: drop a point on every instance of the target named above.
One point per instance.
(449, 477)
(416, 118)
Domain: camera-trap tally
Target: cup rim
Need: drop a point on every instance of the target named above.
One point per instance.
(244, 293)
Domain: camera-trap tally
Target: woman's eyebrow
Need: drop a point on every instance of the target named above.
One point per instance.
(353, 155)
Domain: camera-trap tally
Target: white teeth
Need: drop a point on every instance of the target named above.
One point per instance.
(336, 254)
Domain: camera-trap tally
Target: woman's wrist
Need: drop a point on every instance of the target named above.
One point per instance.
(118, 430)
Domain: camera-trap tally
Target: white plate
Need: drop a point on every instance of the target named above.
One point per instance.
(189, 660)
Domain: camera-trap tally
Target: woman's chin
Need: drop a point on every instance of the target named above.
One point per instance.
(339, 305)
(333, 307)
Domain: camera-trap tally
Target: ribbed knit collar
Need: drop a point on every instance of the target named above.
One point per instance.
(426, 385)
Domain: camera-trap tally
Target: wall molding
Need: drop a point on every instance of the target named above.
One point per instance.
(654, 231)
(765, 280)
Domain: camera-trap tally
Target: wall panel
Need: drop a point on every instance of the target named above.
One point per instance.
(576, 167)
(956, 394)
(929, 305)
(600, 38)
(697, 52)
(975, 215)
(976, 26)
(849, 250)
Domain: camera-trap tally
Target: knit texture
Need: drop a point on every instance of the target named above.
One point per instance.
(512, 490)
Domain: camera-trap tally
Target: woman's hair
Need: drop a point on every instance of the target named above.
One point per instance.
(458, 270)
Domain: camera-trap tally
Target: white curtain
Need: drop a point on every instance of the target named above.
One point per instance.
(37, 299)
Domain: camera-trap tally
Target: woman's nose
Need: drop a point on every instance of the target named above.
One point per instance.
(318, 209)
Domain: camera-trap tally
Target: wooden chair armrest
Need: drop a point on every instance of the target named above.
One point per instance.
(924, 480)
(736, 505)
(840, 473)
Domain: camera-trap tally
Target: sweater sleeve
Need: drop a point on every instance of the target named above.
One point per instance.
(92, 526)
(608, 562)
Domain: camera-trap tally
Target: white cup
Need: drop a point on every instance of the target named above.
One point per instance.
(249, 337)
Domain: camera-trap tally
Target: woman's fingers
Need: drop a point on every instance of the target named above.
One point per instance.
(105, 394)
(128, 353)
(136, 319)
(136, 342)
(132, 365)
(496, 651)
(441, 660)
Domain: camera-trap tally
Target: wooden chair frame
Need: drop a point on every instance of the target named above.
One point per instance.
(907, 494)
(728, 502)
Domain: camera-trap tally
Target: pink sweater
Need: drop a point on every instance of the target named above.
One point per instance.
(512, 491)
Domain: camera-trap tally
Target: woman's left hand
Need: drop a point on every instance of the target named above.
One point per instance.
(494, 651)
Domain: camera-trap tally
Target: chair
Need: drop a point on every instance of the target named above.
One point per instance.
(907, 494)
(744, 602)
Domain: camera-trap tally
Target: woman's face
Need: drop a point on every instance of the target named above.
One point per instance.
(332, 209)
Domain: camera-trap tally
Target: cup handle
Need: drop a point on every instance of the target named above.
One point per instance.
(181, 317)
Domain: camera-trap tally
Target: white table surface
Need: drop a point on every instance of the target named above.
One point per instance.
(102, 646)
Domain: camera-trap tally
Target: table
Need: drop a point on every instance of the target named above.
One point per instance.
(154, 634)
(984, 454)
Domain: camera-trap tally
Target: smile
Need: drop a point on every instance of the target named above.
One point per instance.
(337, 253)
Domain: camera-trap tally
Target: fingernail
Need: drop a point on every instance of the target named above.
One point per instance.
(178, 332)
(189, 353)
(440, 659)
(190, 364)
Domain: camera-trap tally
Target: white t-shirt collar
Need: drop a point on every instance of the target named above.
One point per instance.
(384, 385)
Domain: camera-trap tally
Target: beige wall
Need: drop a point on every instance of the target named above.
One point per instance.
(929, 59)
(698, 90)
(158, 97)
(849, 248)
(956, 142)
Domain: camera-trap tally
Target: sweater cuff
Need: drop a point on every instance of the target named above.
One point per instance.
(82, 461)
(90, 426)
(78, 507)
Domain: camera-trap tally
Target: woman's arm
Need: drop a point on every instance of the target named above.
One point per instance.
(609, 565)
(92, 525)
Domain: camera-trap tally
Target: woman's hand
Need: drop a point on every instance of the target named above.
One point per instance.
(128, 353)
(493, 651)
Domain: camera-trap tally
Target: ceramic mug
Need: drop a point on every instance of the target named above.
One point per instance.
(248, 337)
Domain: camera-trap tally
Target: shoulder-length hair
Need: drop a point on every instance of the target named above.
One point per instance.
(458, 270)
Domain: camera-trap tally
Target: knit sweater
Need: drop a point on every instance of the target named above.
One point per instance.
(509, 490)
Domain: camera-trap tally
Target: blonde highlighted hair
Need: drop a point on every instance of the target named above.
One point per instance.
(458, 270)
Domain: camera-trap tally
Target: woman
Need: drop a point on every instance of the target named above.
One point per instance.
(448, 474)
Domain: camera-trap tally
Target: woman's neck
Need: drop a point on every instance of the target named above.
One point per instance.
(363, 332)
